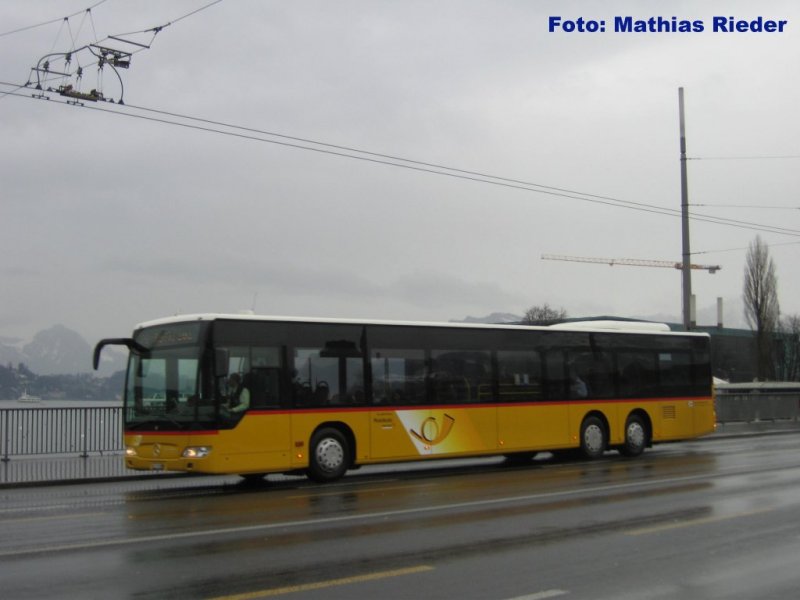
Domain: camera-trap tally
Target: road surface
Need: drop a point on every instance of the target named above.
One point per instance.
(702, 519)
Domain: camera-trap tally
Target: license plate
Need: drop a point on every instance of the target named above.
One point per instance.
(157, 467)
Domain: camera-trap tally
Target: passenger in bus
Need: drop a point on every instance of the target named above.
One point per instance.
(239, 394)
(577, 387)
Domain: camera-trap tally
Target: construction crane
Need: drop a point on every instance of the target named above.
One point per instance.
(633, 262)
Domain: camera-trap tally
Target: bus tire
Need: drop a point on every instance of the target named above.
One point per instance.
(593, 437)
(635, 437)
(328, 460)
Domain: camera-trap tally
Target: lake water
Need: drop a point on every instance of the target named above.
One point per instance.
(60, 404)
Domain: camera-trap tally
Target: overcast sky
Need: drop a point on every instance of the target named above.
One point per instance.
(108, 220)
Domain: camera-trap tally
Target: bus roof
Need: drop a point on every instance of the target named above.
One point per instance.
(604, 326)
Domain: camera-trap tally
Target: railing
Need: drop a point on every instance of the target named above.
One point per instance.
(98, 430)
(765, 401)
(732, 408)
(78, 431)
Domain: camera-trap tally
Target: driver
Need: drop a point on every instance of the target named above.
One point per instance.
(239, 398)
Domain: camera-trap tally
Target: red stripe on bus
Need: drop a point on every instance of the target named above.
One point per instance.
(150, 433)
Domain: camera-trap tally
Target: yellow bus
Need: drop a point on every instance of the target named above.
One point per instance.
(251, 395)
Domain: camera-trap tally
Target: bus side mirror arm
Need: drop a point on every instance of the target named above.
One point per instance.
(131, 344)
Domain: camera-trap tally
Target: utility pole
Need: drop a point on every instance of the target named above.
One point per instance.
(686, 273)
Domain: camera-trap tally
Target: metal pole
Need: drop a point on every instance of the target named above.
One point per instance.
(5, 418)
(686, 272)
(84, 435)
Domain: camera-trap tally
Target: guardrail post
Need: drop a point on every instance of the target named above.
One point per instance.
(5, 437)
(84, 435)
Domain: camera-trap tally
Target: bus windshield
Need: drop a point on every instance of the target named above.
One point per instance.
(165, 388)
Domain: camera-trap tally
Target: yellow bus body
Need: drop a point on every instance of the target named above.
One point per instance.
(278, 441)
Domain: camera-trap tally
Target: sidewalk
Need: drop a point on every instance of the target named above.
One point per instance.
(49, 470)
(755, 428)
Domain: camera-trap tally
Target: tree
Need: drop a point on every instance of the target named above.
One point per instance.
(543, 314)
(761, 308)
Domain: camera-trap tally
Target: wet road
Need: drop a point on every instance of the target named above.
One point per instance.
(706, 519)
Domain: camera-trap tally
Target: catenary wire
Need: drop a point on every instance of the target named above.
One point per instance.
(50, 22)
(488, 179)
(765, 157)
(748, 206)
(744, 248)
(181, 18)
(527, 184)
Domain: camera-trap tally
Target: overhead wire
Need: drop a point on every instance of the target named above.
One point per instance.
(764, 157)
(51, 21)
(158, 28)
(346, 152)
(756, 206)
(744, 248)
(526, 184)
(96, 4)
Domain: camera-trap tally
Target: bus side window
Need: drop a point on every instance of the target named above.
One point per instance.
(519, 375)
(557, 381)
(461, 376)
(591, 375)
(675, 371)
(330, 375)
(638, 373)
(398, 376)
(264, 387)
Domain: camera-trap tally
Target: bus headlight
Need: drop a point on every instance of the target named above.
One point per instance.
(196, 452)
(130, 451)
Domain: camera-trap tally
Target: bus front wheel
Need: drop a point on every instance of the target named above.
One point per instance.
(593, 437)
(329, 455)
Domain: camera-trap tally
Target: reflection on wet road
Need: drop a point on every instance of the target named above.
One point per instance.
(698, 519)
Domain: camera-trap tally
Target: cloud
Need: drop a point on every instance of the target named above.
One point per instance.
(108, 220)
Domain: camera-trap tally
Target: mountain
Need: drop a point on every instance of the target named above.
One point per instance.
(57, 351)
(11, 351)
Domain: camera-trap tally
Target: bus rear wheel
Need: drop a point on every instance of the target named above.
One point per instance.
(593, 437)
(635, 437)
(329, 455)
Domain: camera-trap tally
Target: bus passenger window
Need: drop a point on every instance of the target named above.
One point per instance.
(638, 373)
(459, 376)
(675, 370)
(398, 376)
(519, 375)
(331, 375)
(591, 375)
